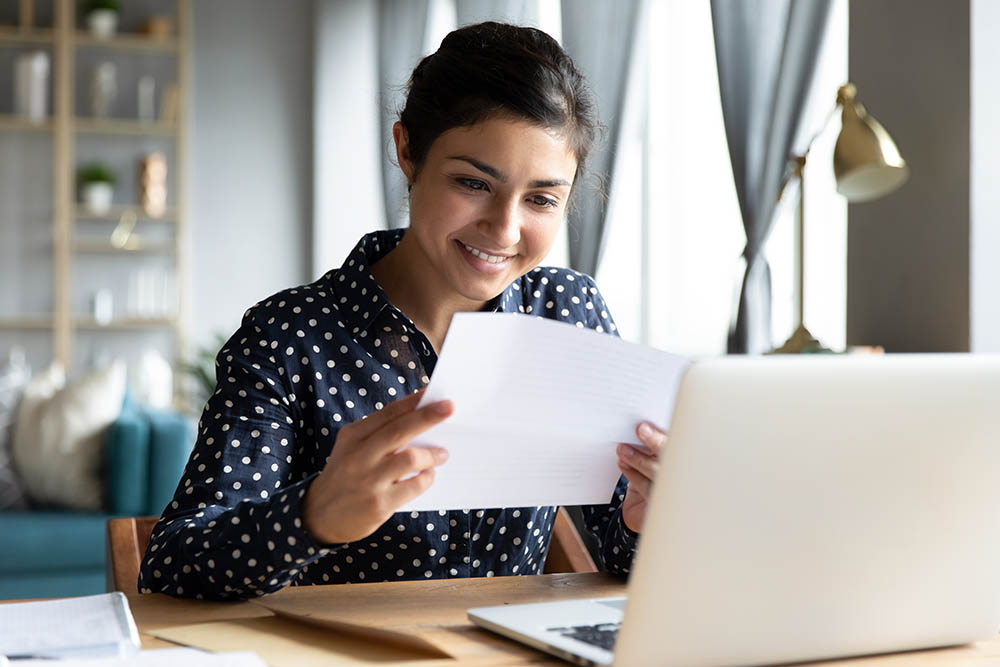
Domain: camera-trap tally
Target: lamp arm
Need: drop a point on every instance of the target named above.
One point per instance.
(792, 158)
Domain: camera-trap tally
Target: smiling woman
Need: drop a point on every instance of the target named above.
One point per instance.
(299, 466)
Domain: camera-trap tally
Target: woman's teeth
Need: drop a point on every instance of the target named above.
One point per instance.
(492, 259)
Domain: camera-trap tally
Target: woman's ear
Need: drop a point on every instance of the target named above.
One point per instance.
(402, 141)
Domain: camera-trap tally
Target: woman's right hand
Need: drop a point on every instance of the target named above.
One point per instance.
(362, 483)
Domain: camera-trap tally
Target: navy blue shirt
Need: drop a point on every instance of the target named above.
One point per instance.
(304, 363)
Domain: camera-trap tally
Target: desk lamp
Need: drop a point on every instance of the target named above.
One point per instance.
(867, 165)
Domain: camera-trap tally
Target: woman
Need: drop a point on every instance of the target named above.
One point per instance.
(298, 469)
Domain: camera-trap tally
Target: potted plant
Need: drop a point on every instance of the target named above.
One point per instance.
(96, 187)
(102, 17)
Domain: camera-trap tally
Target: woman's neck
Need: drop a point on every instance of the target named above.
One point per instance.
(410, 282)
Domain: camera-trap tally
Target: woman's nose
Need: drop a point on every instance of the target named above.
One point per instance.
(503, 224)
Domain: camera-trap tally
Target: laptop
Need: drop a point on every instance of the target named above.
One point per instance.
(806, 508)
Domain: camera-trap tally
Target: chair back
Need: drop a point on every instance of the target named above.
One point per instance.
(128, 538)
(127, 541)
(567, 552)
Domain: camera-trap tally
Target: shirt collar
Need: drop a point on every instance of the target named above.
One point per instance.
(361, 299)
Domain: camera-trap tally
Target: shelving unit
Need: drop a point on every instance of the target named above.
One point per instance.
(66, 43)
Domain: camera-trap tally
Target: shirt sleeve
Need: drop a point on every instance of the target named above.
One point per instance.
(616, 541)
(233, 529)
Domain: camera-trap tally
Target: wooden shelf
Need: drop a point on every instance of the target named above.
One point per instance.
(127, 42)
(105, 248)
(70, 46)
(26, 323)
(125, 127)
(14, 123)
(116, 212)
(17, 37)
(125, 323)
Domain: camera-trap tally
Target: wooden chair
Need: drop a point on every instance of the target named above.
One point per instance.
(127, 541)
(567, 552)
(128, 537)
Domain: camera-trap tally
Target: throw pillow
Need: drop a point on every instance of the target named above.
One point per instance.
(59, 437)
(13, 379)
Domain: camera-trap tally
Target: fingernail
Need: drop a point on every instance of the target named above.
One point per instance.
(441, 455)
(645, 431)
(443, 407)
(625, 450)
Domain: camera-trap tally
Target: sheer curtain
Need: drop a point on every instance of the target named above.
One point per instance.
(766, 52)
(402, 29)
(601, 37)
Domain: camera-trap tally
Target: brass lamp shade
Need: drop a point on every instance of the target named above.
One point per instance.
(866, 162)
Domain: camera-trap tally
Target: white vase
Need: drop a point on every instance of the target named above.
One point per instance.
(97, 197)
(103, 23)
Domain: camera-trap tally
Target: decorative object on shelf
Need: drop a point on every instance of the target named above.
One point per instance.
(97, 183)
(102, 17)
(157, 27)
(146, 99)
(31, 86)
(170, 105)
(103, 89)
(152, 294)
(122, 237)
(103, 304)
(153, 184)
(867, 165)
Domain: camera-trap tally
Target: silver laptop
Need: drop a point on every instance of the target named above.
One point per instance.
(806, 508)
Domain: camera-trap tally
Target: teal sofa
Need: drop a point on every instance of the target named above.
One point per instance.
(56, 552)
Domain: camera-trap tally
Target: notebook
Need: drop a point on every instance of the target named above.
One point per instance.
(92, 626)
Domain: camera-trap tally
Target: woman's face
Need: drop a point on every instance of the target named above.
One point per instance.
(487, 202)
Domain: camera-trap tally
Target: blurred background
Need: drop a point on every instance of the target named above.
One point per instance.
(276, 145)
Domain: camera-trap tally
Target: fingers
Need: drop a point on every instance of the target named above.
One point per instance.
(365, 427)
(651, 437)
(411, 460)
(635, 458)
(403, 492)
(637, 482)
(398, 432)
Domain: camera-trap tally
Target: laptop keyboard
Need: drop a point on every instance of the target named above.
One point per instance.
(601, 635)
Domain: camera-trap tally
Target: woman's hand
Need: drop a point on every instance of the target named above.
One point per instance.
(362, 483)
(640, 465)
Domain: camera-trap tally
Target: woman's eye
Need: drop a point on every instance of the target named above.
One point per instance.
(547, 202)
(473, 184)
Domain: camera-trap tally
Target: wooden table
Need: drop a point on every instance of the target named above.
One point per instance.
(434, 611)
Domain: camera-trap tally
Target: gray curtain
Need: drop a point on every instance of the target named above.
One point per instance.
(519, 12)
(600, 36)
(766, 52)
(401, 30)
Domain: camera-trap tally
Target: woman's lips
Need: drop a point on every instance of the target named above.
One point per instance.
(481, 260)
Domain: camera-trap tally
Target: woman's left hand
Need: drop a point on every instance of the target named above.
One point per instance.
(640, 465)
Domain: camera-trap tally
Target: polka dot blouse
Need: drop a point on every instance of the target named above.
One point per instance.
(304, 363)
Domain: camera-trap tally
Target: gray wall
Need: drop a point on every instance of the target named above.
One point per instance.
(250, 157)
(908, 253)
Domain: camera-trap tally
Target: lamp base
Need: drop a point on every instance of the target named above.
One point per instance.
(801, 342)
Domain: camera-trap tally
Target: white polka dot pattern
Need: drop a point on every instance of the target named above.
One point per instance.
(304, 363)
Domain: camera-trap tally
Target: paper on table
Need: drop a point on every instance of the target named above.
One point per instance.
(89, 626)
(169, 657)
(540, 407)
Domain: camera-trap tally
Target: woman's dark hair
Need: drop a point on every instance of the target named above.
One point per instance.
(492, 69)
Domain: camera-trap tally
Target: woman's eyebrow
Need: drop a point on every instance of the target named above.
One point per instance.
(500, 176)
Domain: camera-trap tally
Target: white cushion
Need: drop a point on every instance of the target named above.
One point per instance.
(59, 435)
